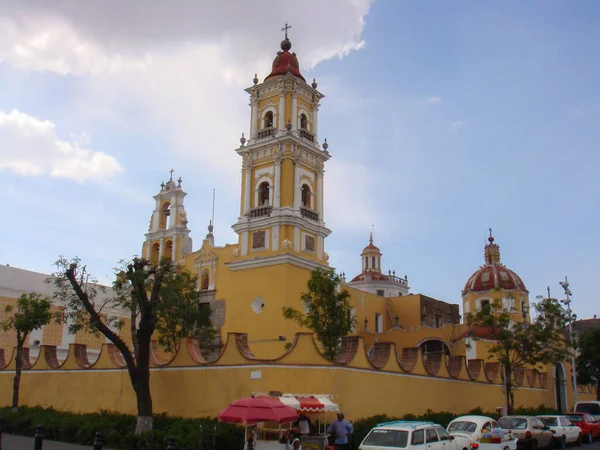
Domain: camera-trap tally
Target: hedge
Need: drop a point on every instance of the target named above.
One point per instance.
(118, 429)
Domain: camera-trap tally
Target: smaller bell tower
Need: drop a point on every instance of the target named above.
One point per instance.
(168, 235)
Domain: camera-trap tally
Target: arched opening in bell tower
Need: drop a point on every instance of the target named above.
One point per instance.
(263, 194)
(303, 122)
(268, 121)
(168, 250)
(165, 216)
(306, 196)
(154, 253)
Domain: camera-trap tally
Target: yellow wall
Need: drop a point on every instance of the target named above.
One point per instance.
(204, 389)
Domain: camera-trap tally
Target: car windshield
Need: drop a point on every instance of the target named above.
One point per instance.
(590, 408)
(549, 421)
(513, 423)
(574, 417)
(463, 425)
(387, 438)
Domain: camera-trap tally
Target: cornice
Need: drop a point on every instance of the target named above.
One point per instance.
(275, 260)
(282, 216)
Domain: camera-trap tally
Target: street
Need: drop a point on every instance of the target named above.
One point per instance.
(12, 442)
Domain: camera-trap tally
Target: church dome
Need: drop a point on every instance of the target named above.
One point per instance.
(493, 275)
(371, 248)
(285, 62)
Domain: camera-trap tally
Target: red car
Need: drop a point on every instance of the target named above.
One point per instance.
(589, 427)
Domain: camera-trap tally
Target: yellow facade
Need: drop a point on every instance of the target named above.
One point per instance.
(281, 239)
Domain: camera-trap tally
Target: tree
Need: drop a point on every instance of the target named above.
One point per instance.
(159, 298)
(32, 312)
(588, 359)
(327, 311)
(516, 343)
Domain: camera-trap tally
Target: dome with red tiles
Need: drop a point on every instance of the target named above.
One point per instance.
(285, 62)
(493, 275)
(479, 333)
(371, 248)
(370, 276)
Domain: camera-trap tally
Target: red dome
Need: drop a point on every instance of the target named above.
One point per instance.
(285, 62)
(494, 276)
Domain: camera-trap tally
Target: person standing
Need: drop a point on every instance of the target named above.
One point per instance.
(340, 429)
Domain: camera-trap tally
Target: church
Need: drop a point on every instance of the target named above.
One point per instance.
(404, 344)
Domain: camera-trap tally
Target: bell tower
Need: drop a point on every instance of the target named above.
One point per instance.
(168, 235)
(282, 215)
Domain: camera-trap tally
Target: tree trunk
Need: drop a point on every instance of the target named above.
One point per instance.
(17, 378)
(142, 382)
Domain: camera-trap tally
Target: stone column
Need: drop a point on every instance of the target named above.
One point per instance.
(297, 191)
(174, 249)
(278, 158)
(254, 115)
(148, 249)
(281, 113)
(320, 193)
(247, 184)
(161, 248)
(294, 111)
(315, 122)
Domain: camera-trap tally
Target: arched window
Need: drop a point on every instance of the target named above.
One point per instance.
(168, 250)
(306, 194)
(263, 194)
(268, 119)
(154, 253)
(204, 280)
(303, 122)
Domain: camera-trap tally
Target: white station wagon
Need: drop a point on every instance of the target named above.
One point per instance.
(412, 435)
(474, 428)
(564, 431)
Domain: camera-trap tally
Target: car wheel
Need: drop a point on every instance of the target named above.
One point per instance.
(579, 440)
(559, 442)
(533, 445)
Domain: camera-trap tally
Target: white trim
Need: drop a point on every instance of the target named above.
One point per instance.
(244, 243)
(263, 112)
(264, 171)
(286, 258)
(275, 238)
(297, 238)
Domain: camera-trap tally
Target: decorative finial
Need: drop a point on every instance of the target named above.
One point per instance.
(548, 289)
(171, 172)
(289, 125)
(286, 45)
(243, 140)
(325, 144)
(314, 84)
(394, 272)
(371, 235)
(162, 185)
(255, 79)
(179, 180)
(491, 238)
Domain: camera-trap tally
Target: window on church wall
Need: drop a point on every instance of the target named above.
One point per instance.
(381, 292)
(309, 243)
(303, 122)
(263, 194)
(268, 120)
(167, 250)
(486, 307)
(204, 280)
(378, 323)
(366, 262)
(306, 196)
(373, 264)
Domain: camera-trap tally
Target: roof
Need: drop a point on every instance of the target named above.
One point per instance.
(285, 62)
(478, 332)
(473, 418)
(305, 402)
(494, 276)
(370, 276)
(405, 424)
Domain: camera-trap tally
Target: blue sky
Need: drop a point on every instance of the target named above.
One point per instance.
(443, 118)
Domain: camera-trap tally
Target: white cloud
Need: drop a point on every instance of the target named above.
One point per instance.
(434, 100)
(31, 147)
(457, 125)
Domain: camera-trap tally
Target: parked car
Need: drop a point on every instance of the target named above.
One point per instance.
(589, 427)
(412, 435)
(530, 431)
(474, 428)
(591, 407)
(564, 431)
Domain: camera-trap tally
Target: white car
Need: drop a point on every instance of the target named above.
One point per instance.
(412, 435)
(564, 431)
(474, 427)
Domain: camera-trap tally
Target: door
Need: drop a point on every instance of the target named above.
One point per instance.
(445, 440)
(571, 431)
(542, 436)
(432, 442)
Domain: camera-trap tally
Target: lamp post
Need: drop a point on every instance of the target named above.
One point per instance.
(567, 302)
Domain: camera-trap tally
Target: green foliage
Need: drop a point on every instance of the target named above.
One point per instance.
(117, 429)
(326, 311)
(588, 359)
(517, 342)
(32, 312)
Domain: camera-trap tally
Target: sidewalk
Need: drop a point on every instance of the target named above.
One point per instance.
(12, 442)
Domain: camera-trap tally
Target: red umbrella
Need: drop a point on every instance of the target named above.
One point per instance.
(249, 411)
